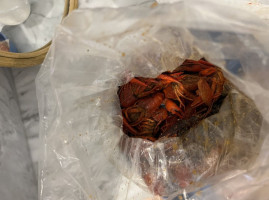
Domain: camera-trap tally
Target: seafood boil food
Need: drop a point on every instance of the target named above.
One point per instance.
(170, 104)
(194, 123)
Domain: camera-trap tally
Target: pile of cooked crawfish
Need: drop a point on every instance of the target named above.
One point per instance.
(169, 105)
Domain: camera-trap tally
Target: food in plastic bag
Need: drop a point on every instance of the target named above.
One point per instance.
(219, 143)
(170, 104)
(86, 153)
(173, 105)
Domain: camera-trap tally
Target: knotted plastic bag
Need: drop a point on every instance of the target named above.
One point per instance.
(86, 154)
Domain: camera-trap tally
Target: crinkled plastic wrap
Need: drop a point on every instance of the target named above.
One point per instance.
(86, 155)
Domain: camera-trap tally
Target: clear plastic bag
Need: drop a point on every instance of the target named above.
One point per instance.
(87, 156)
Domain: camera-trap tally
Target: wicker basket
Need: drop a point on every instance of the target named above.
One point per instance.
(10, 59)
